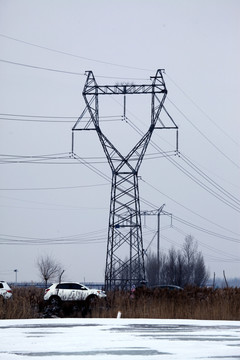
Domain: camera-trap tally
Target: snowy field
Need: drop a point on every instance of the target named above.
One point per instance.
(118, 339)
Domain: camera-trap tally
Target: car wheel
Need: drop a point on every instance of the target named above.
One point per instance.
(54, 300)
(91, 301)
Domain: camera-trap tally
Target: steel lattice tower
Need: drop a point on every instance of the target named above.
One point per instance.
(125, 254)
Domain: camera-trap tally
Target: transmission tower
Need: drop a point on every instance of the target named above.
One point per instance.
(125, 254)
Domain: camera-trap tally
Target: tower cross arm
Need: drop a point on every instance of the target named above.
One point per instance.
(124, 89)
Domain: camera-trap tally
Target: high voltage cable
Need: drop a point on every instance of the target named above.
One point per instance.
(205, 137)
(186, 172)
(62, 71)
(193, 166)
(205, 187)
(92, 168)
(52, 119)
(206, 177)
(193, 212)
(54, 116)
(42, 68)
(100, 173)
(90, 237)
(209, 232)
(148, 203)
(209, 247)
(50, 242)
(18, 159)
(72, 55)
(53, 188)
(28, 159)
(39, 116)
(201, 110)
(104, 176)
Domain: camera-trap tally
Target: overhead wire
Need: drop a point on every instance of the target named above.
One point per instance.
(53, 188)
(41, 68)
(209, 247)
(208, 179)
(47, 159)
(184, 221)
(203, 135)
(209, 232)
(71, 54)
(62, 71)
(191, 211)
(51, 119)
(225, 256)
(191, 176)
(201, 110)
(95, 170)
(90, 234)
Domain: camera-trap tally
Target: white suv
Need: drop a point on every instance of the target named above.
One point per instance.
(5, 290)
(71, 291)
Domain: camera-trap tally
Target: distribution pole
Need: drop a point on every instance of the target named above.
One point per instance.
(157, 212)
(158, 245)
(125, 254)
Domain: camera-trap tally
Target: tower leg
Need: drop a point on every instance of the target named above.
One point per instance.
(125, 259)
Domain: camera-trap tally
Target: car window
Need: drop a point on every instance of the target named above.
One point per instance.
(78, 287)
(64, 286)
(1, 285)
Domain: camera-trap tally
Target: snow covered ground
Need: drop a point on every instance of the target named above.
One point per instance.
(118, 338)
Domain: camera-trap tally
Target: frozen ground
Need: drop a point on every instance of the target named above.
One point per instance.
(118, 339)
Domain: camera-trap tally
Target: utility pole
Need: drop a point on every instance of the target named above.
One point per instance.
(157, 212)
(124, 267)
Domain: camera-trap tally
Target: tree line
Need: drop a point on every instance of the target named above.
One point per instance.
(183, 267)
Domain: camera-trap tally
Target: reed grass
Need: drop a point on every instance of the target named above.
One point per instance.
(190, 303)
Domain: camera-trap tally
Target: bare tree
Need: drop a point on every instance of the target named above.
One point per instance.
(182, 267)
(154, 273)
(49, 268)
(196, 273)
(152, 270)
(201, 275)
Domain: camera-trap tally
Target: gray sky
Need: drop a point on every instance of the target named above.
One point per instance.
(48, 198)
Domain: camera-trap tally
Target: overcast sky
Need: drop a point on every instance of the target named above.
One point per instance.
(51, 204)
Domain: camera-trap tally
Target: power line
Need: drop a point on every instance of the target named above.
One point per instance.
(193, 212)
(37, 159)
(42, 68)
(202, 111)
(53, 188)
(71, 54)
(209, 232)
(200, 172)
(192, 177)
(39, 116)
(187, 173)
(207, 246)
(208, 179)
(205, 137)
(61, 71)
(50, 119)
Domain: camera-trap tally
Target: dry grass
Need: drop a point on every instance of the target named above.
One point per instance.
(25, 303)
(191, 303)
